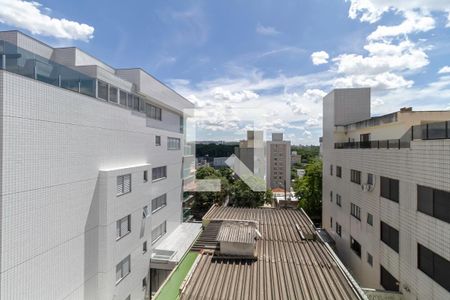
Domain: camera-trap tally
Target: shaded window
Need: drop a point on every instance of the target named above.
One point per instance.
(102, 90)
(331, 170)
(159, 202)
(388, 281)
(338, 200)
(331, 222)
(355, 211)
(433, 202)
(123, 98)
(123, 227)
(370, 178)
(123, 269)
(123, 184)
(157, 140)
(159, 172)
(356, 247)
(153, 112)
(434, 265)
(113, 94)
(145, 213)
(331, 196)
(389, 188)
(144, 247)
(158, 232)
(338, 229)
(339, 171)
(355, 176)
(389, 235)
(369, 259)
(145, 176)
(369, 219)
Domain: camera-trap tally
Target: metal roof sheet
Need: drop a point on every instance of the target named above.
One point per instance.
(287, 266)
(237, 232)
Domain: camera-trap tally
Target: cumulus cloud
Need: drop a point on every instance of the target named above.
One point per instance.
(266, 30)
(320, 57)
(220, 93)
(444, 70)
(29, 16)
(414, 22)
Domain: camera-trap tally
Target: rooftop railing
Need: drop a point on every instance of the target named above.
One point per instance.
(429, 131)
(23, 62)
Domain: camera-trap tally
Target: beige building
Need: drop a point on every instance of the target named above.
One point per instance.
(252, 153)
(278, 163)
(386, 194)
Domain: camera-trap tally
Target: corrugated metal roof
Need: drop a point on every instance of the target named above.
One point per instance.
(237, 232)
(287, 266)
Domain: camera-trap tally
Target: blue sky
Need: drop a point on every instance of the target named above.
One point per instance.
(266, 63)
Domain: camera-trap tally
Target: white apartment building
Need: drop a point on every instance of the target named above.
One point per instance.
(386, 194)
(278, 163)
(91, 184)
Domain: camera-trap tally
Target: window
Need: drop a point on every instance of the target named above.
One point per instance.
(339, 171)
(102, 90)
(338, 229)
(355, 176)
(435, 203)
(331, 170)
(144, 283)
(389, 188)
(123, 98)
(388, 281)
(136, 101)
(158, 232)
(369, 259)
(157, 140)
(123, 184)
(112, 94)
(370, 179)
(144, 247)
(331, 196)
(145, 176)
(331, 222)
(130, 100)
(390, 236)
(123, 269)
(434, 265)
(153, 112)
(355, 211)
(338, 200)
(159, 202)
(145, 213)
(159, 172)
(369, 219)
(356, 247)
(173, 143)
(123, 227)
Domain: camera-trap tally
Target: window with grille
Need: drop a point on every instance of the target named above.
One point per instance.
(173, 143)
(355, 211)
(355, 176)
(159, 173)
(123, 184)
(123, 227)
(123, 269)
(159, 202)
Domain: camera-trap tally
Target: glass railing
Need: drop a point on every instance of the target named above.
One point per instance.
(20, 61)
(429, 131)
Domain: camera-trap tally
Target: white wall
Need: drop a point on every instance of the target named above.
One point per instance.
(54, 143)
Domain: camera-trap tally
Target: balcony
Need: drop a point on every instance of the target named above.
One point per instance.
(429, 131)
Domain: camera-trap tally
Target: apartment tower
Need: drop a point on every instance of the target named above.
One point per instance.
(91, 183)
(278, 163)
(386, 194)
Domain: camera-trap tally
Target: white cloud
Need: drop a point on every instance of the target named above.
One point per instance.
(266, 30)
(28, 15)
(444, 70)
(384, 81)
(319, 57)
(414, 22)
(219, 93)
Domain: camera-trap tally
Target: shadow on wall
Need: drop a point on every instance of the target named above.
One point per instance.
(91, 247)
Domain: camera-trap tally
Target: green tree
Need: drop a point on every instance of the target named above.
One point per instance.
(244, 196)
(309, 190)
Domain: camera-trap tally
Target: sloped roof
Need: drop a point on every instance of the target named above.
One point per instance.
(237, 232)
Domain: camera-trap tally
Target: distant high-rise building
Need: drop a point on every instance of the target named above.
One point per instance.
(252, 153)
(386, 194)
(278, 163)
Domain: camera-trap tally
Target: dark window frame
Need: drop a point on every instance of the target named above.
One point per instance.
(434, 266)
(434, 202)
(355, 246)
(390, 188)
(390, 236)
(355, 176)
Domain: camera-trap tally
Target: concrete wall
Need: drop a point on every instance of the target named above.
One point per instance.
(54, 144)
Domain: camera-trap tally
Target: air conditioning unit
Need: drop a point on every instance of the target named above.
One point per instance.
(367, 187)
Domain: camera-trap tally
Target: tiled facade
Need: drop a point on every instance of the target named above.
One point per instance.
(424, 162)
(62, 152)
